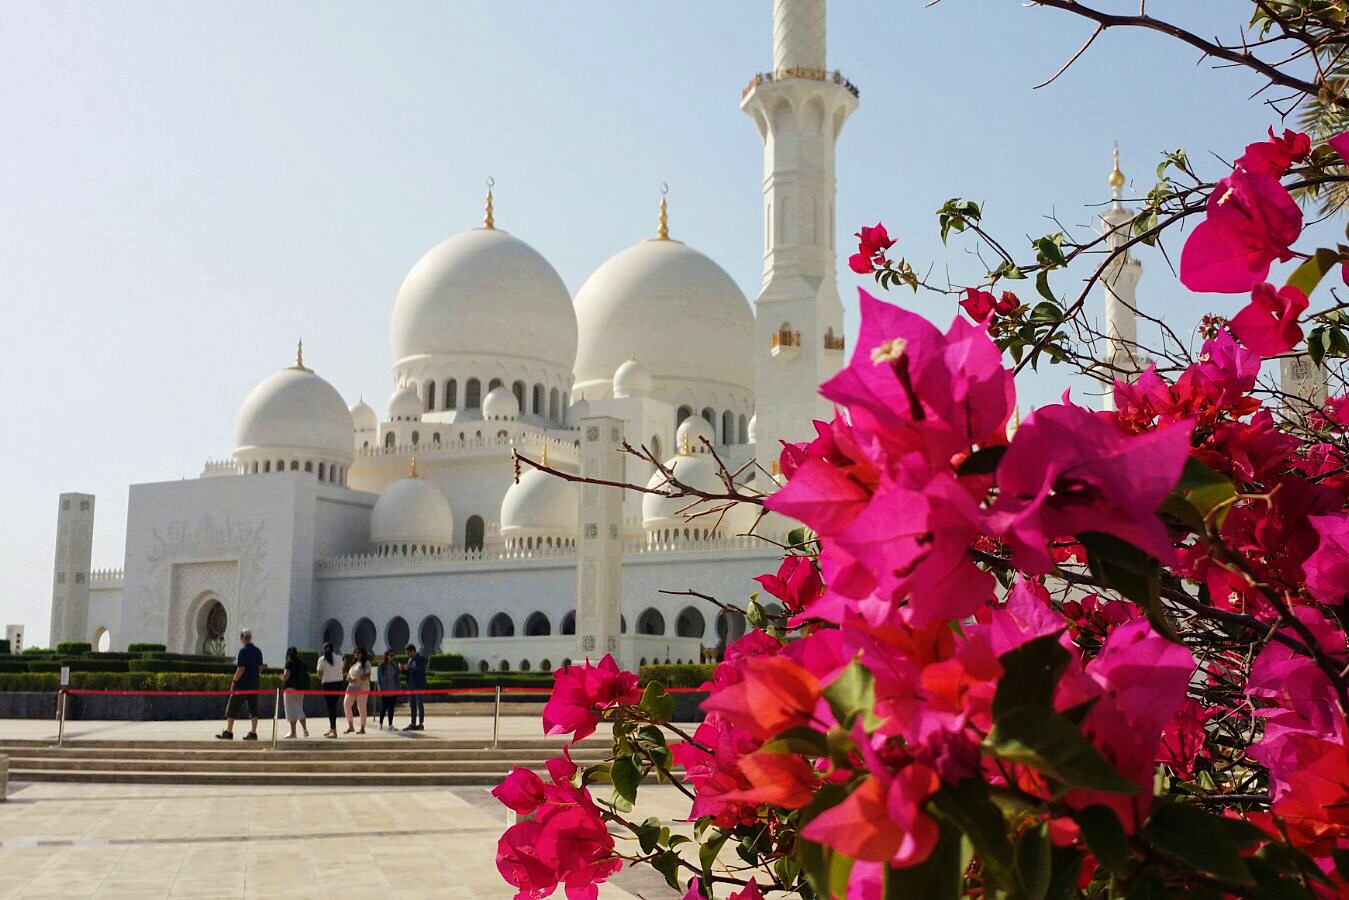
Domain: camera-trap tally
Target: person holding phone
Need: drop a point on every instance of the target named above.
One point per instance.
(358, 688)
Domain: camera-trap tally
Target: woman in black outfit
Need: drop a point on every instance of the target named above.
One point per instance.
(333, 678)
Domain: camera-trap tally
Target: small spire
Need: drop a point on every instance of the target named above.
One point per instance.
(487, 220)
(1116, 176)
(545, 455)
(686, 450)
(412, 472)
(299, 357)
(663, 232)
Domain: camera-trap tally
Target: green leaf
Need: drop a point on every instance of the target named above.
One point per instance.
(657, 704)
(840, 867)
(1308, 275)
(1203, 487)
(802, 739)
(1191, 836)
(707, 853)
(1042, 286)
(626, 775)
(852, 693)
(1066, 866)
(1130, 571)
(968, 807)
(1030, 673)
(1316, 345)
(648, 834)
(983, 461)
(1047, 742)
(1105, 838)
(940, 877)
(667, 864)
(1033, 863)
(1046, 312)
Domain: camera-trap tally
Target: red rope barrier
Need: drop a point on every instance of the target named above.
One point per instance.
(376, 693)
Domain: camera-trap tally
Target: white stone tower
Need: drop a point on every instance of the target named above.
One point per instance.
(599, 564)
(70, 581)
(799, 109)
(1120, 282)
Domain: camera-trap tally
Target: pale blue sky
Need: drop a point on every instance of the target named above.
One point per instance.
(185, 188)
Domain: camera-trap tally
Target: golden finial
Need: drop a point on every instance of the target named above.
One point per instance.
(412, 472)
(1116, 176)
(686, 450)
(545, 456)
(299, 356)
(663, 233)
(487, 220)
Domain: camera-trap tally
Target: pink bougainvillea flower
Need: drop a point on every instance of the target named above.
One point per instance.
(979, 305)
(777, 779)
(1184, 737)
(1007, 303)
(1268, 324)
(797, 582)
(1327, 568)
(1251, 222)
(1275, 156)
(716, 775)
(882, 822)
(582, 693)
(1315, 806)
(1070, 471)
(871, 246)
(521, 791)
(774, 694)
(1340, 144)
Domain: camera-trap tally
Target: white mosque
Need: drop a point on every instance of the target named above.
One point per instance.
(339, 523)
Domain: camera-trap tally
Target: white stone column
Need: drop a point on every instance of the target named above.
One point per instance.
(799, 109)
(599, 553)
(70, 578)
(1303, 382)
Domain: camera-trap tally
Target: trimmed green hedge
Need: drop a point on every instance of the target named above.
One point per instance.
(678, 675)
(74, 647)
(13, 665)
(38, 651)
(122, 681)
(185, 657)
(146, 648)
(94, 654)
(446, 662)
(181, 665)
(4, 647)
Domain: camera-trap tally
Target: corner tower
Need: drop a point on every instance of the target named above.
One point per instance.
(799, 109)
(70, 580)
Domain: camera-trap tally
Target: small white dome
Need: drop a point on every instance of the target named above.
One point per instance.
(412, 511)
(753, 428)
(539, 502)
(485, 293)
(405, 405)
(698, 472)
(295, 410)
(500, 403)
(691, 433)
(661, 300)
(632, 379)
(364, 417)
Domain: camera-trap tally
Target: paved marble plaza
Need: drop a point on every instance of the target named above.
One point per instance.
(147, 841)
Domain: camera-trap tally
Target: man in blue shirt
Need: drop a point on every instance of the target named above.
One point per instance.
(416, 669)
(247, 669)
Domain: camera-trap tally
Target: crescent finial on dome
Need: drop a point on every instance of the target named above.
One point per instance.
(412, 471)
(663, 232)
(545, 455)
(487, 220)
(1116, 176)
(299, 356)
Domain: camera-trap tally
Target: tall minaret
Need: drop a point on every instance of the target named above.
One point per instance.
(70, 578)
(799, 109)
(1120, 281)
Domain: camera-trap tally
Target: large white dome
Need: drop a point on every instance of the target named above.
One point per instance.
(675, 309)
(295, 410)
(485, 293)
(364, 417)
(500, 405)
(412, 511)
(539, 502)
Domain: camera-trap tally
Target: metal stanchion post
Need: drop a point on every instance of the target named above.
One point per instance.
(61, 717)
(496, 719)
(276, 714)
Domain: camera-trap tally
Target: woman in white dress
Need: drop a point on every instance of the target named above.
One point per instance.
(358, 684)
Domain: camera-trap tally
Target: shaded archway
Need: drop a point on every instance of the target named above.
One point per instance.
(212, 623)
(364, 634)
(465, 627)
(651, 622)
(474, 531)
(501, 626)
(568, 623)
(332, 634)
(537, 625)
(430, 634)
(397, 633)
(690, 623)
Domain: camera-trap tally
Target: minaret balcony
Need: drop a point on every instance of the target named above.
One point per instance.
(786, 74)
(785, 344)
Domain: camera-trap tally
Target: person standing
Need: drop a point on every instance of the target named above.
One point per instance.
(330, 674)
(358, 689)
(416, 669)
(247, 669)
(295, 679)
(386, 677)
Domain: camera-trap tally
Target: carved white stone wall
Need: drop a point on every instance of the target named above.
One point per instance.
(194, 586)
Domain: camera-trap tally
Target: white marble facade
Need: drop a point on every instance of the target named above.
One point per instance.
(330, 521)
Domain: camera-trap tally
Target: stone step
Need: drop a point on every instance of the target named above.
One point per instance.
(317, 743)
(257, 779)
(292, 752)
